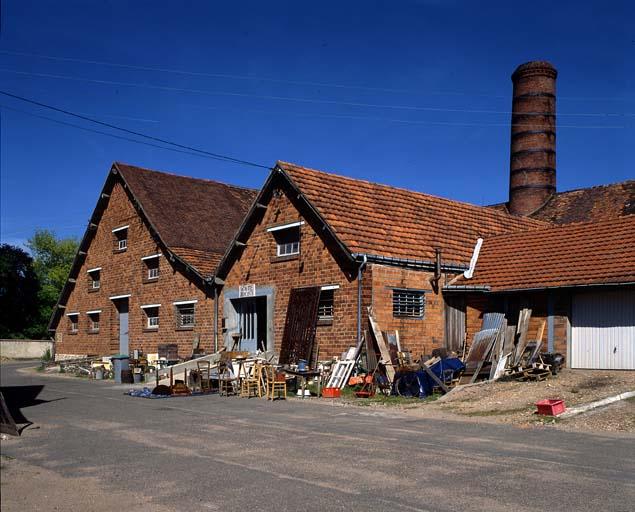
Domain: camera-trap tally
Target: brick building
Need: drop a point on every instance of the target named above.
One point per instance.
(364, 244)
(403, 253)
(143, 275)
(412, 258)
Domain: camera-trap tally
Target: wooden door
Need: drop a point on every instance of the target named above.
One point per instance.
(454, 323)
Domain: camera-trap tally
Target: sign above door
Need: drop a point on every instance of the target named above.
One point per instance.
(246, 290)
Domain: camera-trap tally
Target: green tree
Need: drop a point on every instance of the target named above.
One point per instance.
(19, 287)
(53, 259)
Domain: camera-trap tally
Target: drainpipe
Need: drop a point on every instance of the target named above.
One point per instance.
(359, 299)
(477, 249)
(215, 317)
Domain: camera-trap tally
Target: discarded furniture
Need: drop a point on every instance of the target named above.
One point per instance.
(303, 376)
(227, 382)
(276, 383)
(252, 384)
(205, 371)
(340, 374)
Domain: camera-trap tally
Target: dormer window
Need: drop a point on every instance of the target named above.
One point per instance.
(151, 267)
(287, 237)
(94, 279)
(120, 238)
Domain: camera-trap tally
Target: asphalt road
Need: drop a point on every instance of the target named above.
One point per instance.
(226, 454)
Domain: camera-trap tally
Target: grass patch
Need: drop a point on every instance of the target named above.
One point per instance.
(494, 412)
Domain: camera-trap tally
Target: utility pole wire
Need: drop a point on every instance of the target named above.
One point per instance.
(218, 156)
(296, 99)
(113, 135)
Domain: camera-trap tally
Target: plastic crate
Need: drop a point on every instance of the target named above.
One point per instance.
(331, 392)
(550, 407)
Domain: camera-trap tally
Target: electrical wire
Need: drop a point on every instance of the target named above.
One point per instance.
(286, 81)
(217, 156)
(294, 99)
(114, 136)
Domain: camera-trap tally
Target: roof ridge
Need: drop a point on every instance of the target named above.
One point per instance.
(569, 225)
(117, 163)
(535, 222)
(605, 185)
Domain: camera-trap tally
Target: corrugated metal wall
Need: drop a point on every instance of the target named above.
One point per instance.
(603, 330)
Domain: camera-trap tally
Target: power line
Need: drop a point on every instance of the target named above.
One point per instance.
(293, 99)
(138, 134)
(405, 121)
(242, 77)
(286, 81)
(114, 136)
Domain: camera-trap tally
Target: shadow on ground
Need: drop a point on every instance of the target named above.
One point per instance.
(17, 398)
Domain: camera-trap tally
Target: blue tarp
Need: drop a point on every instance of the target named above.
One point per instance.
(419, 384)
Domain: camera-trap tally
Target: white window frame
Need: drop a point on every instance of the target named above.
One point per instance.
(122, 243)
(92, 323)
(95, 284)
(74, 327)
(152, 322)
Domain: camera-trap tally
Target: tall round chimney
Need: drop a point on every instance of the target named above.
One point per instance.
(532, 178)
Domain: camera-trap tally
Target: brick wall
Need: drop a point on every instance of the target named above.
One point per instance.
(418, 336)
(315, 266)
(123, 273)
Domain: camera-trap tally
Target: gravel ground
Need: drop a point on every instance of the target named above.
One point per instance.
(513, 402)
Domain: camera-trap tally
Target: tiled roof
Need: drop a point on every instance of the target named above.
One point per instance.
(195, 218)
(563, 255)
(586, 204)
(387, 221)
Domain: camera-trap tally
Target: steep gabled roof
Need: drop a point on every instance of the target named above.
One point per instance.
(189, 213)
(578, 254)
(382, 220)
(586, 204)
(385, 223)
(192, 219)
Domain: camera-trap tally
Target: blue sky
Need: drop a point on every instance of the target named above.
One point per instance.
(379, 90)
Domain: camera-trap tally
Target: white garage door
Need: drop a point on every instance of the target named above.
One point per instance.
(603, 330)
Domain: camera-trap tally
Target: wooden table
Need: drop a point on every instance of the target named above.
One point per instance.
(304, 375)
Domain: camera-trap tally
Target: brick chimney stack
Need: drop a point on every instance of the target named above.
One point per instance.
(532, 178)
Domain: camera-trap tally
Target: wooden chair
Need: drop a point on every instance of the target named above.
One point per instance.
(205, 371)
(227, 381)
(252, 383)
(275, 383)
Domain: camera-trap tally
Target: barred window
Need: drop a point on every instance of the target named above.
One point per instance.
(185, 315)
(408, 303)
(325, 306)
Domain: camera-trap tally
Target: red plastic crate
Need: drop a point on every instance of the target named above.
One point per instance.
(550, 407)
(331, 392)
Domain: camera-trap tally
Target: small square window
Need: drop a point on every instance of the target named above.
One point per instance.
(408, 303)
(93, 322)
(152, 317)
(185, 316)
(94, 279)
(151, 269)
(73, 324)
(325, 306)
(287, 241)
(120, 239)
